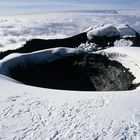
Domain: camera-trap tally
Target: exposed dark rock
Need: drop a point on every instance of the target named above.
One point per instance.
(135, 40)
(104, 41)
(73, 42)
(6, 53)
(106, 75)
(59, 74)
(40, 44)
(83, 72)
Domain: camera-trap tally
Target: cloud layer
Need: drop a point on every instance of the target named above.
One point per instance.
(15, 30)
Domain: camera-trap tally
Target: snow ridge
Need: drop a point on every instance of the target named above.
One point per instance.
(110, 30)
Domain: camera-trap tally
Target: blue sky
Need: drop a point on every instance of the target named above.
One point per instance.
(54, 5)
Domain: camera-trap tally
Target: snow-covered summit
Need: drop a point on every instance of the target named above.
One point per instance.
(34, 113)
(110, 30)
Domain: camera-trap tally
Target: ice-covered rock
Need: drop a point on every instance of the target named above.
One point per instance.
(110, 30)
(67, 69)
(126, 31)
(122, 43)
(105, 30)
(93, 39)
(109, 35)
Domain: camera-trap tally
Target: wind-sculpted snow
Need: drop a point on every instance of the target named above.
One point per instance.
(39, 114)
(33, 113)
(110, 35)
(37, 118)
(109, 30)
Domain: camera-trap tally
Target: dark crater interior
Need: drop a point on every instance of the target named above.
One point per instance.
(82, 72)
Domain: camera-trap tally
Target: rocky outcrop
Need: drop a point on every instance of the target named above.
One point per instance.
(106, 75)
(105, 36)
(83, 72)
(40, 44)
(101, 36)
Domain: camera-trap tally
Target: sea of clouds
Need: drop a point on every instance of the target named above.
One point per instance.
(15, 30)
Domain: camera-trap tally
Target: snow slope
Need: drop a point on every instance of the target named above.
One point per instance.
(39, 114)
(128, 56)
(110, 30)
